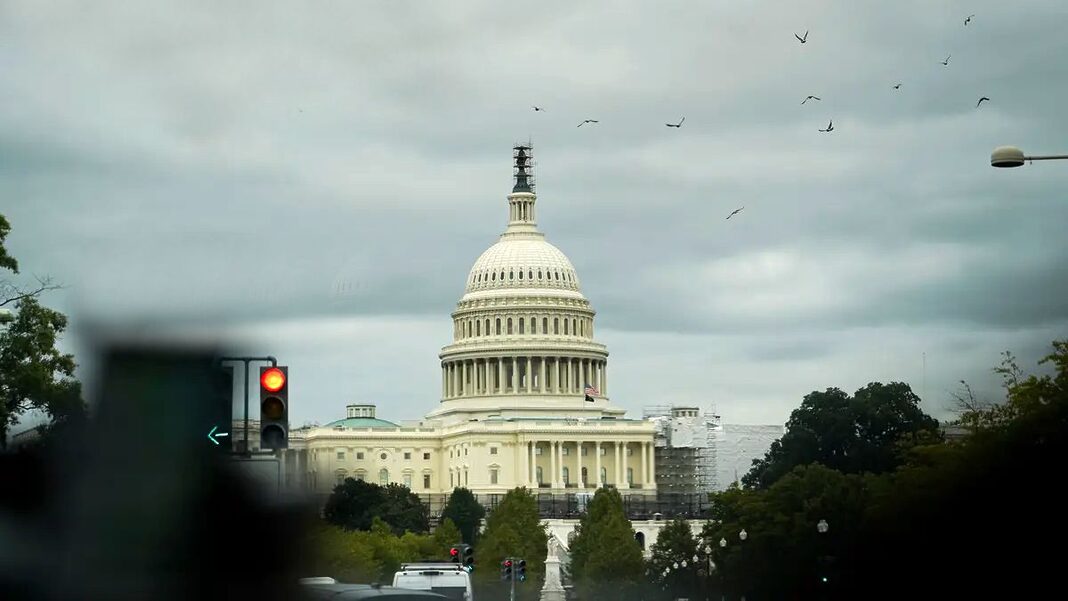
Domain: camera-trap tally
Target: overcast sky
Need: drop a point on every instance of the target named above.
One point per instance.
(314, 180)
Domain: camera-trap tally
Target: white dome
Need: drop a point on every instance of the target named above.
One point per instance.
(522, 262)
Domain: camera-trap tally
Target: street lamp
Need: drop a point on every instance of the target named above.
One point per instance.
(723, 543)
(743, 535)
(1010, 156)
(823, 527)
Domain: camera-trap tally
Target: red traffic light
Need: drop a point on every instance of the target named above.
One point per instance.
(508, 563)
(273, 379)
(454, 551)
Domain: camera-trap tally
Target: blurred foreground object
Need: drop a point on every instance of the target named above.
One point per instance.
(138, 503)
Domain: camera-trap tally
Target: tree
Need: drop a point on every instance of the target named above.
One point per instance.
(606, 560)
(465, 512)
(403, 510)
(34, 374)
(446, 535)
(867, 432)
(353, 504)
(513, 529)
(675, 543)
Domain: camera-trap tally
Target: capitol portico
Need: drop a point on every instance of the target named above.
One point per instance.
(524, 389)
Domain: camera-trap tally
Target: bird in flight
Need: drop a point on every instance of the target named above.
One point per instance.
(810, 98)
(981, 101)
(830, 126)
(679, 124)
(802, 39)
(968, 20)
(588, 121)
(897, 86)
(946, 62)
(537, 108)
(734, 212)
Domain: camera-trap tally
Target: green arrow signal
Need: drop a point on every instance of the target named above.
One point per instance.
(212, 434)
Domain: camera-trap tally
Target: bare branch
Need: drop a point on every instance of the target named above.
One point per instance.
(13, 294)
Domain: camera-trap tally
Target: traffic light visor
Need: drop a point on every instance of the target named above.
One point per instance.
(273, 379)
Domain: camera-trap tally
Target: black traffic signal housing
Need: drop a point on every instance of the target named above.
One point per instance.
(274, 407)
(467, 557)
(521, 570)
(506, 569)
(221, 409)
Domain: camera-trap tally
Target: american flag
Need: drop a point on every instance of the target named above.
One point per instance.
(591, 391)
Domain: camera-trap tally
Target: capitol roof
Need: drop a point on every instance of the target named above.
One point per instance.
(361, 422)
(522, 262)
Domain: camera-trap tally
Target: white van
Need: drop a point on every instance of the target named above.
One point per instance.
(446, 579)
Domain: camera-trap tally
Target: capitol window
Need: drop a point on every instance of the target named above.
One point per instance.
(341, 455)
(520, 274)
(565, 451)
(498, 326)
(426, 456)
(408, 480)
(426, 480)
(493, 475)
(494, 277)
(511, 275)
(556, 325)
(544, 325)
(493, 450)
(509, 325)
(359, 455)
(574, 330)
(383, 477)
(557, 273)
(478, 328)
(522, 330)
(530, 274)
(407, 455)
(565, 327)
(487, 328)
(382, 456)
(539, 274)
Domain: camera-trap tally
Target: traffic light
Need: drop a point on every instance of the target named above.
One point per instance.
(467, 557)
(506, 569)
(274, 407)
(454, 554)
(521, 570)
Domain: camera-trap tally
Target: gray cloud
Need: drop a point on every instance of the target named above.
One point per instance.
(244, 166)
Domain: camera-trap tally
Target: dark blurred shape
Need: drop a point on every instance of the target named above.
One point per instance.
(139, 503)
(345, 592)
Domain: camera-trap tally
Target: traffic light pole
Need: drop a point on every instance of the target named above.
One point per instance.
(511, 597)
(246, 361)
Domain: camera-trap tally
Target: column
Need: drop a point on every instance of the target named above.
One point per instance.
(560, 472)
(515, 375)
(556, 380)
(645, 465)
(524, 480)
(530, 375)
(542, 388)
(554, 471)
(652, 464)
(604, 378)
(567, 386)
(534, 464)
(500, 376)
(578, 464)
(619, 465)
(443, 389)
(597, 467)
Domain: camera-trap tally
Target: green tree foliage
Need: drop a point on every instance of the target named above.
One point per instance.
(34, 374)
(365, 556)
(967, 519)
(446, 534)
(674, 544)
(403, 510)
(354, 504)
(863, 433)
(513, 530)
(606, 560)
(465, 512)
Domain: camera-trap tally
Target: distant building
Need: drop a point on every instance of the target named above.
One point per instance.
(685, 445)
(737, 446)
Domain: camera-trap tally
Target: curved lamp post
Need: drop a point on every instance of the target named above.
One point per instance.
(1010, 156)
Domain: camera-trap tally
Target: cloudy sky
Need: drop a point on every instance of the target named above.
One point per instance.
(313, 180)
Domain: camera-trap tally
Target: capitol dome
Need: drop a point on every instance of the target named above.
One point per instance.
(523, 341)
(520, 262)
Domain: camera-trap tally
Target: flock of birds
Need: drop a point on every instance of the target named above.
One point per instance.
(830, 124)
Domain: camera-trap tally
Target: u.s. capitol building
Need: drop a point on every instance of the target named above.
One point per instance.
(524, 390)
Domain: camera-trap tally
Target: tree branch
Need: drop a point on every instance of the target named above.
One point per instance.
(14, 294)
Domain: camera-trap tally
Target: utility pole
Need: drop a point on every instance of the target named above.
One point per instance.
(246, 361)
(511, 596)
